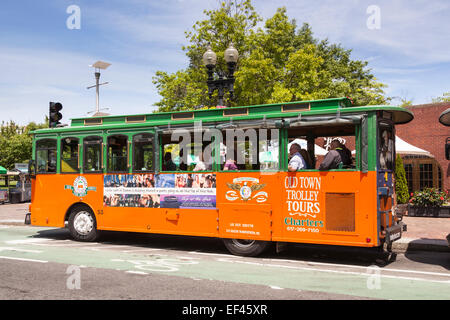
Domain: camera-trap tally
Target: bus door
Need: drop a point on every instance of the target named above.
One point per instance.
(246, 203)
(387, 226)
(248, 192)
(129, 165)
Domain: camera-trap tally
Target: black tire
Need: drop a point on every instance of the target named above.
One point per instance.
(246, 248)
(82, 224)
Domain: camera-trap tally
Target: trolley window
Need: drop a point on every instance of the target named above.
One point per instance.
(143, 152)
(46, 152)
(118, 153)
(70, 155)
(93, 154)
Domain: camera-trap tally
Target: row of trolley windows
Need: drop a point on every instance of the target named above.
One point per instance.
(252, 151)
(90, 149)
(237, 155)
(137, 153)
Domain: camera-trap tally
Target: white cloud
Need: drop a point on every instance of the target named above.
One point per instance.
(409, 52)
(32, 78)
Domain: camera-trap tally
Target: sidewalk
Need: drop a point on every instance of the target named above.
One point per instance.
(425, 234)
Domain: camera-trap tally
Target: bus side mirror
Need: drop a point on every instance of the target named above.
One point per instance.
(447, 149)
(32, 169)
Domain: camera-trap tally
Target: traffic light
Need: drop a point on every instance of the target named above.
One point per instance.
(54, 114)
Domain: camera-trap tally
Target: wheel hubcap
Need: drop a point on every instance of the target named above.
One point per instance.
(83, 223)
(243, 243)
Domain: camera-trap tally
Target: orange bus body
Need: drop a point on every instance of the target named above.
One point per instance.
(334, 208)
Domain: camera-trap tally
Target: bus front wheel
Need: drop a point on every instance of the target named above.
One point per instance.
(82, 224)
(246, 248)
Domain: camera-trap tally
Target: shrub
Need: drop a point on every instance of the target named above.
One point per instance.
(401, 185)
(429, 197)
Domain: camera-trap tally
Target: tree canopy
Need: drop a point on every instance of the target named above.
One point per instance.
(16, 143)
(444, 98)
(278, 62)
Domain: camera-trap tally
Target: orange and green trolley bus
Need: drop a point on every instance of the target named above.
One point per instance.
(223, 173)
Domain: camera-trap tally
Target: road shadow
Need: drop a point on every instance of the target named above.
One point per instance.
(337, 255)
(144, 240)
(301, 252)
(434, 252)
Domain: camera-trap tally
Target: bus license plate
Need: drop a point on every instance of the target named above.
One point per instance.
(395, 236)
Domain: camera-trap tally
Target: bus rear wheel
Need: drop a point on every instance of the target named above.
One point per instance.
(246, 248)
(82, 224)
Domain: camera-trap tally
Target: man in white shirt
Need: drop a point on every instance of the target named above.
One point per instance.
(200, 166)
(297, 162)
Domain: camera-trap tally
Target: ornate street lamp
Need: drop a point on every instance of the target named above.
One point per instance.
(224, 82)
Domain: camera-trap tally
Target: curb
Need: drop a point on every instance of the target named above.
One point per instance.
(406, 244)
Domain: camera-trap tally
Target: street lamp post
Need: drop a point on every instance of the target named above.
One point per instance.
(99, 65)
(224, 82)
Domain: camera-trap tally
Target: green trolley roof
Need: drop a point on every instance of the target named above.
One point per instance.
(268, 111)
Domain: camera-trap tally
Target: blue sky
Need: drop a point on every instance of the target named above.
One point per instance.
(41, 60)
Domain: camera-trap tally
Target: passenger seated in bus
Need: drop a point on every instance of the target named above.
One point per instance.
(307, 158)
(230, 165)
(169, 165)
(346, 155)
(335, 157)
(183, 162)
(296, 161)
(200, 165)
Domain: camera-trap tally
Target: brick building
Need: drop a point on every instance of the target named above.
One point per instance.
(427, 133)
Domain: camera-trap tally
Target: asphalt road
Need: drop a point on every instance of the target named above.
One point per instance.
(43, 263)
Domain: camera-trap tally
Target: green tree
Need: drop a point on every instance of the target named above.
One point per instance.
(445, 98)
(401, 185)
(16, 143)
(279, 62)
(405, 102)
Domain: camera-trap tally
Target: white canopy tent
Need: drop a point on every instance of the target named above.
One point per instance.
(403, 147)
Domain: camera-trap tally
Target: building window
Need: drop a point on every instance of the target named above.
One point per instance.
(409, 177)
(439, 177)
(426, 175)
(422, 172)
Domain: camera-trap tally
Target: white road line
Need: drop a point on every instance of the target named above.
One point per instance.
(19, 250)
(359, 267)
(365, 274)
(27, 241)
(139, 250)
(23, 259)
(137, 272)
(99, 248)
(215, 254)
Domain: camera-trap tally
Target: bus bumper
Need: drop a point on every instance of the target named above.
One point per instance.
(394, 233)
